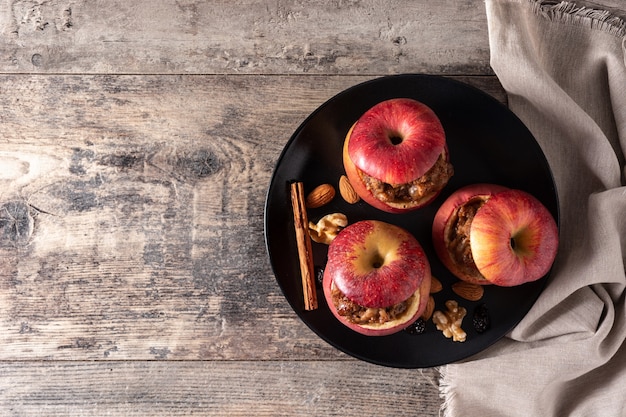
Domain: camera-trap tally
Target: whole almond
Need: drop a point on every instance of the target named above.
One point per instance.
(321, 195)
(435, 285)
(467, 290)
(430, 308)
(347, 191)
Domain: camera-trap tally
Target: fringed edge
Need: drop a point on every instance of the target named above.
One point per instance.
(446, 393)
(571, 13)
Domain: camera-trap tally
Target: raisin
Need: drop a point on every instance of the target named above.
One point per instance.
(480, 319)
(417, 327)
(319, 275)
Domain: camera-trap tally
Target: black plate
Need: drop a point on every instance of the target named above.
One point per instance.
(487, 143)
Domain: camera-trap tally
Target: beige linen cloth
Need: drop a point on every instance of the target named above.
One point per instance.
(563, 67)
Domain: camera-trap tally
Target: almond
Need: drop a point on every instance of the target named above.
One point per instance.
(321, 195)
(347, 191)
(435, 285)
(469, 291)
(430, 308)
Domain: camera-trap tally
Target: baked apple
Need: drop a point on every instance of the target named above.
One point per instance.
(395, 155)
(377, 278)
(490, 234)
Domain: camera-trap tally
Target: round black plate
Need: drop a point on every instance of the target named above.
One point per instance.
(487, 143)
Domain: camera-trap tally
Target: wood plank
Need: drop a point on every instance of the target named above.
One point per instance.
(131, 215)
(243, 37)
(186, 388)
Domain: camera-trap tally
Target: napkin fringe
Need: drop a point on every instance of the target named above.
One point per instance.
(571, 13)
(447, 392)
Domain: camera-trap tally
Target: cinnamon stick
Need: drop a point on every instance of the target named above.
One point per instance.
(305, 253)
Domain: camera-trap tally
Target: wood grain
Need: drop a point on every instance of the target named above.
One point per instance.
(132, 216)
(271, 388)
(226, 37)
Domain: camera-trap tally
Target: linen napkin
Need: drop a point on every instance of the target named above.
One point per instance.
(564, 69)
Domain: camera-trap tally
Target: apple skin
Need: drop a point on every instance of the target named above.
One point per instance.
(441, 224)
(369, 147)
(513, 237)
(422, 137)
(377, 264)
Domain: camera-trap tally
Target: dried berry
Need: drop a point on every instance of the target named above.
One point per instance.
(319, 275)
(480, 319)
(417, 327)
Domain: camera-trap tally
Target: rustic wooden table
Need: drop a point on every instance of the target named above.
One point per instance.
(137, 142)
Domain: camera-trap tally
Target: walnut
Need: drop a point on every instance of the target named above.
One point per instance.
(449, 322)
(327, 227)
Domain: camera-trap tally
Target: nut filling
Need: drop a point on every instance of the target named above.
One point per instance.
(458, 235)
(358, 314)
(431, 182)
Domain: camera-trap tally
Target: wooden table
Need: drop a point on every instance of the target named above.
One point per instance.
(137, 142)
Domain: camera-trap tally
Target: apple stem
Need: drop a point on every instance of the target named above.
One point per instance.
(395, 137)
(512, 243)
(378, 261)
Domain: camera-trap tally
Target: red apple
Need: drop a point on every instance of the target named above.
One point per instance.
(395, 155)
(377, 278)
(453, 215)
(489, 234)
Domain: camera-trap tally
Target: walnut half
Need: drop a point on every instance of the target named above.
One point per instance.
(449, 321)
(327, 227)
